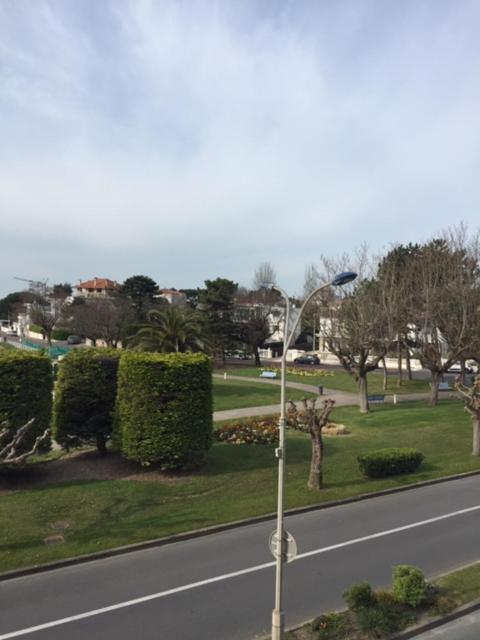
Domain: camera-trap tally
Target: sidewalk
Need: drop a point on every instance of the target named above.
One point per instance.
(342, 398)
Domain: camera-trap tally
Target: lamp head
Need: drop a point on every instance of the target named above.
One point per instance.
(343, 278)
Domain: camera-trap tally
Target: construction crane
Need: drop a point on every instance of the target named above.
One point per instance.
(35, 286)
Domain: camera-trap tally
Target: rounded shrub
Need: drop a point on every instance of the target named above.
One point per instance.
(164, 409)
(360, 596)
(389, 462)
(409, 585)
(26, 391)
(60, 334)
(85, 397)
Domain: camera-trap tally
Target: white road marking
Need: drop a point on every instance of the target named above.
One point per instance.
(234, 574)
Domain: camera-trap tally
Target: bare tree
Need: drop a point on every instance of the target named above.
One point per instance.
(264, 274)
(359, 329)
(472, 406)
(12, 441)
(46, 314)
(444, 304)
(312, 420)
(102, 319)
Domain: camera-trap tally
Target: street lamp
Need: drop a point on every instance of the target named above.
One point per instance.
(278, 618)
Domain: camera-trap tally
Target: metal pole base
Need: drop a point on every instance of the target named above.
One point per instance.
(278, 623)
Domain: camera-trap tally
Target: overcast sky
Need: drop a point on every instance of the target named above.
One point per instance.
(188, 140)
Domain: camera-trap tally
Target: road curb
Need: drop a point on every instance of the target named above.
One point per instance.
(434, 623)
(198, 533)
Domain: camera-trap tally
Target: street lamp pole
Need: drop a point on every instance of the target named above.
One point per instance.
(278, 617)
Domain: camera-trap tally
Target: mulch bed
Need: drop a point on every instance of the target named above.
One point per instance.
(79, 466)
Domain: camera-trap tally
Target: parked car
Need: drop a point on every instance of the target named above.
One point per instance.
(307, 359)
(457, 368)
(74, 340)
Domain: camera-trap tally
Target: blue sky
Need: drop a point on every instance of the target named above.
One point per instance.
(189, 140)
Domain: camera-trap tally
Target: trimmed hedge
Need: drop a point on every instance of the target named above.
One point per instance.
(164, 409)
(85, 397)
(390, 462)
(26, 391)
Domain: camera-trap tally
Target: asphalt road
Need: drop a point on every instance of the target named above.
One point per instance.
(220, 587)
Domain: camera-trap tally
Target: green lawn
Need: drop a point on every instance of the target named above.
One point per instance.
(342, 381)
(232, 394)
(237, 482)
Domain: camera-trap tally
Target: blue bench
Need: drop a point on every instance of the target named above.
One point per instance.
(444, 386)
(378, 397)
(268, 374)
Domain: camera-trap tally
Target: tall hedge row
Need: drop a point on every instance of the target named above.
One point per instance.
(85, 397)
(25, 390)
(164, 409)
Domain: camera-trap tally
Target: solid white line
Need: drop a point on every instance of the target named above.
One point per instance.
(234, 574)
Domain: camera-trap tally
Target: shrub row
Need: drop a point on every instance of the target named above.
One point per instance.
(382, 613)
(25, 391)
(389, 462)
(250, 431)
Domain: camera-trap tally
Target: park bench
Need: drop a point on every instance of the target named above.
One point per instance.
(268, 374)
(377, 397)
(444, 386)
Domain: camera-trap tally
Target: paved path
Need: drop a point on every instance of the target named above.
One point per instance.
(221, 586)
(342, 398)
(465, 628)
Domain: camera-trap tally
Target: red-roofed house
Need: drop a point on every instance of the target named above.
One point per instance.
(96, 288)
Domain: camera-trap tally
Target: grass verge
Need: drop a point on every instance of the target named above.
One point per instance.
(232, 394)
(237, 482)
(342, 381)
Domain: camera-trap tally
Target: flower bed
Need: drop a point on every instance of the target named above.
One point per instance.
(250, 431)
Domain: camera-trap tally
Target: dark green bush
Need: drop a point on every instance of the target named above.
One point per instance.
(359, 596)
(331, 626)
(409, 586)
(36, 328)
(164, 409)
(25, 390)
(60, 334)
(85, 397)
(389, 462)
(249, 431)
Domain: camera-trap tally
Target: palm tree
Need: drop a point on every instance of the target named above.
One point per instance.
(169, 330)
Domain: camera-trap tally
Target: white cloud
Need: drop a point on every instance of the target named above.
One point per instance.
(143, 129)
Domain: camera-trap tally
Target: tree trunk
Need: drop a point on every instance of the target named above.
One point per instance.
(434, 388)
(476, 436)
(363, 394)
(256, 354)
(409, 364)
(399, 361)
(101, 445)
(385, 375)
(462, 371)
(315, 478)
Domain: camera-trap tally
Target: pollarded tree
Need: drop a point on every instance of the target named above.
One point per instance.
(471, 396)
(13, 440)
(312, 420)
(358, 327)
(47, 314)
